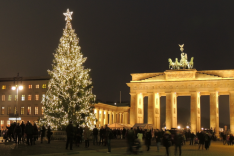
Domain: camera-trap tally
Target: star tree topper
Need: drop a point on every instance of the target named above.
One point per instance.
(68, 15)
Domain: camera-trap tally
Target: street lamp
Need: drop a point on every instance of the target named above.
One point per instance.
(17, 88)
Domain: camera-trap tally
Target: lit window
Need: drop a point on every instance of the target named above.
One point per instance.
(37, 97)
(29, 111)
(23, 98)
(43, 97)
(36, 110)
(15, 110)
(42, 110)
(3, 86)
(8, 123)
(2, 123)
(3, 97)
(16, 97)
(9, 97)
(29, 86)
(3, 111)
(37, 86)
(22, 110)
(44, 86)
(9, 111)
(29, 97)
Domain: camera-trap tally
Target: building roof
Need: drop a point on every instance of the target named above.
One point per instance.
(25, 78)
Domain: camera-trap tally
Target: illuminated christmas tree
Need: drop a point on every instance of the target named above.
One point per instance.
(69, 95)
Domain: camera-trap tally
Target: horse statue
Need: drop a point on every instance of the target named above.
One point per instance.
(190, 64)
(177, 64)
(171, 64)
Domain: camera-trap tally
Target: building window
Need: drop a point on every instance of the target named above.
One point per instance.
(29, 111)
(9, 111)
(16, 97)
(8, 123)
(3, 97)
(9, 97)
(37, 97)
(23, 98)
(44, 86)
(3, 111)
(37, 86)
(29, 86)
(42, 110)
(3, 86)
(36, 110)
(22, 110)
(2, 124)
(43, 97)
(29, 97)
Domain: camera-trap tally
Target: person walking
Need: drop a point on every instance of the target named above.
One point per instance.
(86, 136)
(148, 137)
(157, 135)
(167, 141)
(95, 134)
(29, 132)
(42, 133)
(178, 141)
(69, 131)
(22, 125)
(49, 133)
(207, 141)
(201, 138)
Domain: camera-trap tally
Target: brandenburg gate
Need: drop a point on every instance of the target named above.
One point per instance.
(181, 82)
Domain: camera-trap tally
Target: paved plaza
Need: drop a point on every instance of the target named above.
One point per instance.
(119, 147)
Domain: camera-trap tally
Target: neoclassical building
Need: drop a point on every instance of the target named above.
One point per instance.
(111, 113)
(181, 82)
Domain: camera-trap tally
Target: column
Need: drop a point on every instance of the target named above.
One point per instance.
(150, 109)
(127, 117)
(102, 115)
(114, 117)
(133, 107)
(110, 121)
(214, 112)
(106, 117)
(195, 112)
(124, 116)
(139, 109)
(231, 109)
(156, 110)
(97, 116)
(171, 110)
(120, 117)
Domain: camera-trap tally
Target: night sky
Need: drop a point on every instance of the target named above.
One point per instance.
(118, 38)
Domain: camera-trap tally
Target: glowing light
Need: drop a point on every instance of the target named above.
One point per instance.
(21, 87)
(178, 127)
(13, 87)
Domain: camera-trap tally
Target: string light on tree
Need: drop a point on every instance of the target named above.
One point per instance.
(69, 95)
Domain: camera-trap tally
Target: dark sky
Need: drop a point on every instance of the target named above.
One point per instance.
(118, 38)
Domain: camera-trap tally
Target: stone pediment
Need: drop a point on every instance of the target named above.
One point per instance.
(183, 75)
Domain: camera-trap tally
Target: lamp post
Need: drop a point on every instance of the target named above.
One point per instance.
(17, 88)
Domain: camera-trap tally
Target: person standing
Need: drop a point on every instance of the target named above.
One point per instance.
(69, 131)
(130, 138)
(95, 134)
(167, 141)
(18, 132)
(22, 125)
(108, 135)
(49, 133)
(148, 137)
(201, 138)
(124, 133)
(178, 141)
(192, 138)
(207, 141)
(35, 133)
(101, 135)
(86, 136)
(77, 135)
(42, 133)
(29, 132)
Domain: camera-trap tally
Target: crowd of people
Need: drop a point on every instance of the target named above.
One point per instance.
(25, 133)
(135, 137)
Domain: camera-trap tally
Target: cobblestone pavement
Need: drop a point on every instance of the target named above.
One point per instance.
(119, 147)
